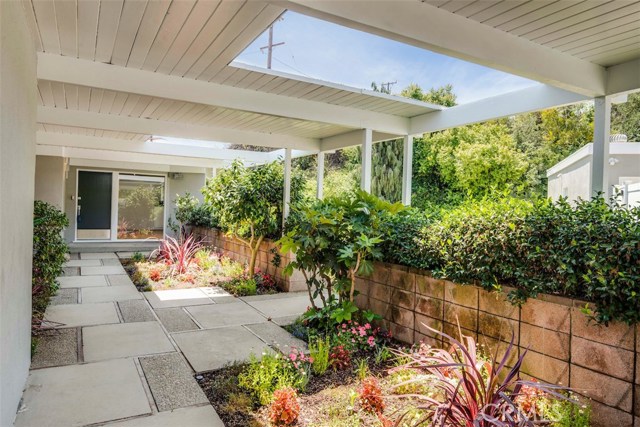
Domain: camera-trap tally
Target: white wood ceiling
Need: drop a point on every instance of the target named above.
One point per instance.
(71, 130)
(605, 32)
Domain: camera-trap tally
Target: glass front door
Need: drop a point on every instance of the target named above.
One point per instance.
(140, 207)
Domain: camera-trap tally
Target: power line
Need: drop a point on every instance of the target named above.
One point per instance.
(270, 47)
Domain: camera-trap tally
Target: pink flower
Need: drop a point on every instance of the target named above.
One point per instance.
(371, 341)
(293, 357)
(363, 332)
(367, 326)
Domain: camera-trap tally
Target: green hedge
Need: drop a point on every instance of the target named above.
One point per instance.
(590, 250)
(49, 250)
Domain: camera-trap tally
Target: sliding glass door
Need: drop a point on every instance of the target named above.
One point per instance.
(140, 207)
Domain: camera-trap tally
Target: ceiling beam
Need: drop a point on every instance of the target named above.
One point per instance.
(351, 139)
(149, 147)
(111, 122)
(623, 78)
(105, 76)
(535, 98)
(426, 26)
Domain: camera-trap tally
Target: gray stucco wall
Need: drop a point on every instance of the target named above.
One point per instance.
(18, 99)
(49, 185)
(190, 182)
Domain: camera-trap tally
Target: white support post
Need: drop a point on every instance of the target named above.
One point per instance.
(287, 185)
(320, 176)
(367, 150)
(407, 170)
(600, 158)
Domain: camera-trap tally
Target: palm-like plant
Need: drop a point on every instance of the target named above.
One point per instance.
(470, 391)
(178, 253)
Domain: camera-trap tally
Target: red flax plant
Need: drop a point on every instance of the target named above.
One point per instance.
(469, 391)
(178, 254)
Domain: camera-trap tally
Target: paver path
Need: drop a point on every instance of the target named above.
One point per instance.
(123, 358)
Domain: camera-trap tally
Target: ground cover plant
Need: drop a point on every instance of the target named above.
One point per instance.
(186, 263)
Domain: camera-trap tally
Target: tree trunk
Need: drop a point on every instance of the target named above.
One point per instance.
(255, 249)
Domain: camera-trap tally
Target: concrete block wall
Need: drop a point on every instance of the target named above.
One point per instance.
(238, 251)
(563, 346)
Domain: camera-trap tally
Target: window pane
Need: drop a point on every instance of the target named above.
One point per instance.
(140, 210)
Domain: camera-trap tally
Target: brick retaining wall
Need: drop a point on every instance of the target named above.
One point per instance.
(564, 347)
(238, 251)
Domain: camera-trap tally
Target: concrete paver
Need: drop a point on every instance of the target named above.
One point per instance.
(119, 280)
(124, 340)
(57, 347)
(81, 281)
(215, 316)
(83, 263)
(73, 315)
(171, 382)
(109, 293)
(198, 416)
(98, 255)
(64, 296)
(102, 270)
(78, 395)
(211, 349)
(177, 298)
(176, 320)
(135, 310)
(277, 337)
(280, 307)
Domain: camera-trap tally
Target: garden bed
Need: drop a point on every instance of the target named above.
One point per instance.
(206, 268)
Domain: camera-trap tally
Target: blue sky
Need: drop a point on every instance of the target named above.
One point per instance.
(330, 52)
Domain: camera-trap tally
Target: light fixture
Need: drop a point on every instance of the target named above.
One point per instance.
(613, 161)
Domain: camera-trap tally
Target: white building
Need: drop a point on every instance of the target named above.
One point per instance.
(571, 177)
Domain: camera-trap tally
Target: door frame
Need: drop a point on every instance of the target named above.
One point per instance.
(115, 188)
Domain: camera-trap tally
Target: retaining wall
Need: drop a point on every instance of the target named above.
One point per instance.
(564, 347)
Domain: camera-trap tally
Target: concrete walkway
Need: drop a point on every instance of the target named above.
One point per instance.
(123, 358)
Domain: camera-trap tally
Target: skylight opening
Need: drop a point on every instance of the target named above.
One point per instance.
(322, 50)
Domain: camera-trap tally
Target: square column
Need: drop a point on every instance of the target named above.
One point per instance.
(407, 169)
(287, 185)
(367, 150)
(320, 176)
(600, 158)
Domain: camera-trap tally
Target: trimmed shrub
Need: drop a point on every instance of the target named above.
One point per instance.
(49, 251)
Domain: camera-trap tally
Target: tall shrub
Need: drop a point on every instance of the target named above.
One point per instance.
(248, 202)
(49, 248)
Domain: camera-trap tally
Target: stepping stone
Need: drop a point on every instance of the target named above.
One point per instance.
(98, 255)
(73, 315)
(78, 395)
(109, 293)
(56, 348)
(277, 337)
(124, 340)
(135, 310)
(64, 296)
(70, 271)
(215, 316)
(127, 255)
(176, 320)
(285, 320)
(195, 416)
(112, 262)
(105, 269)
(119, 280)
(74, 256)
(83, 263)
(211, 349)
(283, 306)
(171, 382)
(218, 295)
(177, 298)
(81, 281)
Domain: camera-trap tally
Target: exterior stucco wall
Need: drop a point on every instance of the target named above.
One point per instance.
(18, 103)
(49, 185)
(572, 182)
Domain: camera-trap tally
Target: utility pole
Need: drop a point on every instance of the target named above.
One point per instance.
(270, 47)
(386, 87)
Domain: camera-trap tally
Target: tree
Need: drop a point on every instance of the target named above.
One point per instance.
(625, 118)
(248, 202)
(441, 96)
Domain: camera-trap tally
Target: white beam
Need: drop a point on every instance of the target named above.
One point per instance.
(112, 77)
(407, 169)
(286, 197)
(320, 176)
(535, 98)
(124, 156)
(426, 26)
(623, 78)
(112, 122)
(351, 139)
(148, 147)
(367, 150)
(600, 158)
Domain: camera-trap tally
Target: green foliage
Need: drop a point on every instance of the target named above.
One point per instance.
(386, 180)
(625, 117)
(137, 257)
(240, 286)
(189, 211)
(441, 96)
(333, 240)
(319, 351)
(49, 250)
(362, 369)
(248, 202)
(565, 413)
(263, 377)
(406, 229)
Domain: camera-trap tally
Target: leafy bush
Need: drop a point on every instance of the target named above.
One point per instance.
(178, 254)
(263, 377)
(49, 250)
(284, 409)
(240, 286)
(370, 396)
(319, 351)
(189, 211)
(405, 231)
(340, 358)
